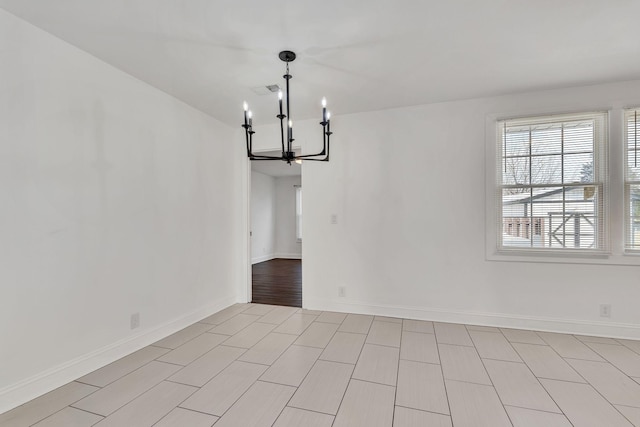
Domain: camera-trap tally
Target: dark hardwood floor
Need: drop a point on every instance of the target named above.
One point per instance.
(278, 282)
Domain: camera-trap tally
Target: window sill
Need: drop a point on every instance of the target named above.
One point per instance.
(562, 257)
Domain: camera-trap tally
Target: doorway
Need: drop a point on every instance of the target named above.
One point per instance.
(276, 233)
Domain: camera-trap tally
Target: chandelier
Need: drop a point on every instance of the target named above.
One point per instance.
(288, 154)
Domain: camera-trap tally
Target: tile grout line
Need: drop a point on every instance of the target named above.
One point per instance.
(313, 366)
(395, 391)
(421, 361)
(62, 409)
(586, 381)
(502, 360)
(194, 410)
(536, 377)
(310, 410)
(353, 370)
(625, 346)
(537, 410)
(596, 389)
(189, 340)
(422, 410)
(134, 398)
(177, 406)
(92, 385)
(444, 382)
(563, 357)
(486, 371)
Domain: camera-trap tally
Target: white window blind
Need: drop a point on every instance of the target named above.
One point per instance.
(632, 179)
(299, 213)
(552, 183)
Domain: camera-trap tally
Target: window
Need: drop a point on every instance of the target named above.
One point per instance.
(299, 213)
(632, 180)
(552, 183)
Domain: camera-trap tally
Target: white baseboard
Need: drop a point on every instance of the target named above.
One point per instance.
(569, 326)
(262, 258)
(16, 394)
(288, 256)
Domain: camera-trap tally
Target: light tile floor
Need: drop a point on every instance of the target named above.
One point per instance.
(258, 366)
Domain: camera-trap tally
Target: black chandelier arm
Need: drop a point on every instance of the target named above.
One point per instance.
(265, 158)
(325, 143)
(326, 159)
(306, 156)
(310, 157)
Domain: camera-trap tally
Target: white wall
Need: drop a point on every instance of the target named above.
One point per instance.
(408, 188)
(115, 199)
(287, 246)
(263, 217)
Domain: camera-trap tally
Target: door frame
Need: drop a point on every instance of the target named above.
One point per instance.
(247, 292)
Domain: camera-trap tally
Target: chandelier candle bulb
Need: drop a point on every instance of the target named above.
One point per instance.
(324, 109)
(245, 106)
(250, 114)
(280, 101)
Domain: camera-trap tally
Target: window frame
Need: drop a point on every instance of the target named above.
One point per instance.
(628, 182)
(600, 179)
(615, 196)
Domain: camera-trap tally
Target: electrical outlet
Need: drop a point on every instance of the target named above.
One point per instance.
(135, 320)
(605, 310)
(342, 291)
(334, 219)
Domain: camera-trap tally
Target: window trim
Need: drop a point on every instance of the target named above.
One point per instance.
(614, 204)
(627, 201)
(600, 156)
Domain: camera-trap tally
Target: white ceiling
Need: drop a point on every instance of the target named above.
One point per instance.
(362, 55)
